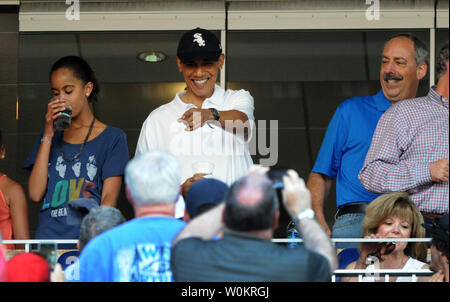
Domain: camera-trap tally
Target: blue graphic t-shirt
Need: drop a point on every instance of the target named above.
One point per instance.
(135, 251)
(103, 157)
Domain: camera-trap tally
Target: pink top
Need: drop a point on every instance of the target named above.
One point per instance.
(5, 218)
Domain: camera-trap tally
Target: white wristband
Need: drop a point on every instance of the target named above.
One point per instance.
(46, 140)
(306, 213)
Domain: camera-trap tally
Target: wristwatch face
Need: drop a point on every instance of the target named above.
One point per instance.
(215, 113)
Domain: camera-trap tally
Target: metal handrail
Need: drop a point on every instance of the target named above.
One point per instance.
(394, 272)
(380, 272)
(335, 240)
(29, 242)
(275, 240)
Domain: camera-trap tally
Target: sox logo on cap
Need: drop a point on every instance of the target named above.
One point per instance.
(199, 39)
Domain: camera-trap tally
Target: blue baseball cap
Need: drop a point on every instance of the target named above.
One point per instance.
(79, 208)
(204, 191)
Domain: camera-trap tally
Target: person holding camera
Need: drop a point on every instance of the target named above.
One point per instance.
(76, 160)
(249, 215)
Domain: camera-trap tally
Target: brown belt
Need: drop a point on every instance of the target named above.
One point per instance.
(432, 216)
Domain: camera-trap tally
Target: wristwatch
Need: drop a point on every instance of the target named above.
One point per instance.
(215, 113)
(306, 213)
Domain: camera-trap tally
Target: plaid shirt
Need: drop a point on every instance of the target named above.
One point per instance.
(409, 137)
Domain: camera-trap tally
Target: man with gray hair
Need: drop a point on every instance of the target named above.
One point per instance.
(97, 221)
(409, 150)
(139, 250)
(249, 216)
(347, 139)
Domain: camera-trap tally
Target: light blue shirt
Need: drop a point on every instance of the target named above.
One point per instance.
(346, 143)
(135, 251)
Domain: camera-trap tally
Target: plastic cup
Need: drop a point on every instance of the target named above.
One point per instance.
(63, 121)
(203, 168)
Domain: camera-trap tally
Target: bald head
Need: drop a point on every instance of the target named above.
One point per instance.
(251, 192)
(251, 204)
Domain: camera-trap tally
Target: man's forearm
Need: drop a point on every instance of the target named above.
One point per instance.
(319, 185)
(381, 176)
(236, 122)
(204, 226)
(315, 239)
(385, 170)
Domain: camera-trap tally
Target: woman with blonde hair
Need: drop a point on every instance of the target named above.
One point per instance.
(392, 215)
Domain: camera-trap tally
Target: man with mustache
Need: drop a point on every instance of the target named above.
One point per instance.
(409, 151)
(350, 131)
(203, 123)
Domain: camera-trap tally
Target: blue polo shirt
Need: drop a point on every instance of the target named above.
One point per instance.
(346, 144)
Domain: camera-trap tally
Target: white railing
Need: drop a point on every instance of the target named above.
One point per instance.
(336, 240)
(380, 272)
(275, 240)
(28, 243)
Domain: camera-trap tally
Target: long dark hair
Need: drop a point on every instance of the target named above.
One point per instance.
(81, 70)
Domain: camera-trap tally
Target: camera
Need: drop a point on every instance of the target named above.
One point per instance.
(276, 176)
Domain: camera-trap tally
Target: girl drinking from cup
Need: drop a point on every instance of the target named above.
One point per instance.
(77, 167)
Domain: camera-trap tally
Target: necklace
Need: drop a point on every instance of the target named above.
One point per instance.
(81, 147)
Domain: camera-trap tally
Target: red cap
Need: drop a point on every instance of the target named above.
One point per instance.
(27, 267)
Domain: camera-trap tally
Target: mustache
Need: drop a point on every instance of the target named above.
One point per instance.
(391, 76)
